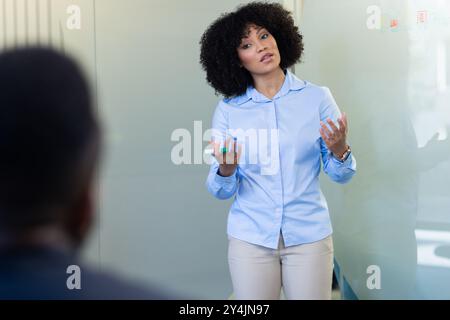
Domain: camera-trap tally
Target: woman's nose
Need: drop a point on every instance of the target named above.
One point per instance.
(261, 48)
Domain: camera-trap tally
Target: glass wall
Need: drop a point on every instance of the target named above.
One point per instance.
(387, 64)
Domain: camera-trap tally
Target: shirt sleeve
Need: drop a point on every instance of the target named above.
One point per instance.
(219, 186)
(338, 171)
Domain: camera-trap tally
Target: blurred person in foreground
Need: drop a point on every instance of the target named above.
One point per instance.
(50, 142)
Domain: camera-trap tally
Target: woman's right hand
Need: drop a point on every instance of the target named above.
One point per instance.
(228, 159)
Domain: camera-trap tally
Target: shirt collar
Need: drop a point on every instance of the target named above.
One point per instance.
(291, 82)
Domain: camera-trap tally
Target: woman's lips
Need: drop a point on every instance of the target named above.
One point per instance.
(266, 57)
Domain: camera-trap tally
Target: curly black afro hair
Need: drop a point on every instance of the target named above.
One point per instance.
(219, 43)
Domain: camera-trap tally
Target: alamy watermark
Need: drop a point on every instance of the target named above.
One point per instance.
(74, 20)
(374, 278)
(256, 146)
(73, 282)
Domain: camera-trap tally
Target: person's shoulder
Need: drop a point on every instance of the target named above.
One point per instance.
(42, 273)
(315, 88)
(226, 105)
(236, 101)
(105, 285)
(317, 92)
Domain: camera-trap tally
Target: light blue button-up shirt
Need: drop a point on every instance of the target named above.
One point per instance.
(276, 184)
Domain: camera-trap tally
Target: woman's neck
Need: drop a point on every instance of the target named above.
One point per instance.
(269, 84)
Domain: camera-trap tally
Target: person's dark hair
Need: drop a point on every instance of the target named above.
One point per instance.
(219, 43)
(49, 136)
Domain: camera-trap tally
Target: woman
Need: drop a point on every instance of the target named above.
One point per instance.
(279, 228)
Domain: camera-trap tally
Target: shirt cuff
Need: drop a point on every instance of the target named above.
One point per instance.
(225, 180)
(346, 163)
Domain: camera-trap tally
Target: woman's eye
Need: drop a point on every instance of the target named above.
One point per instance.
(246, 46)
(265, 36)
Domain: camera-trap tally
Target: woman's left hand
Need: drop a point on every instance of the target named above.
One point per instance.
(336, 138)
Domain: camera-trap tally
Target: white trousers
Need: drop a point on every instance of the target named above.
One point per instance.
(304, 271)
